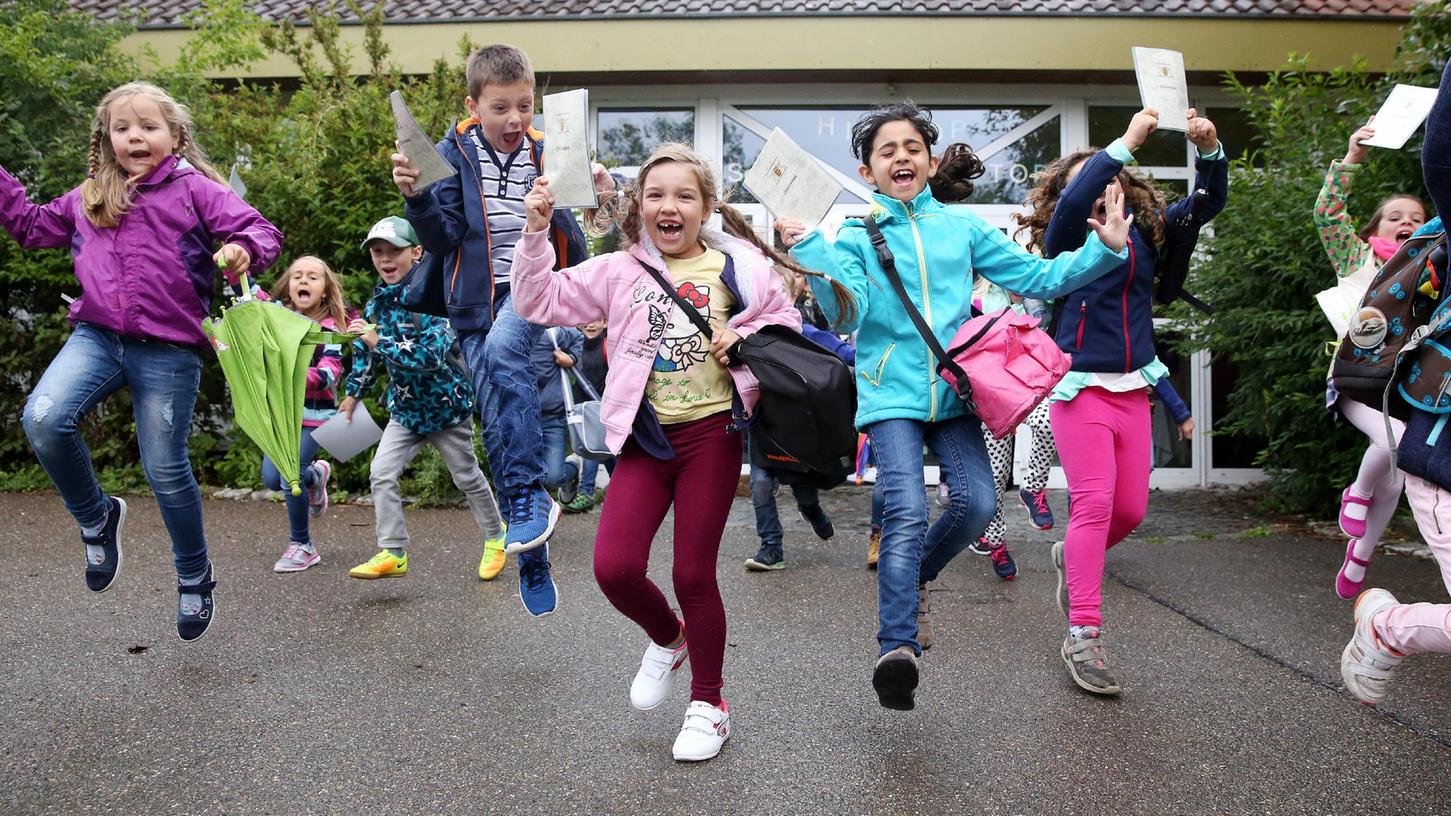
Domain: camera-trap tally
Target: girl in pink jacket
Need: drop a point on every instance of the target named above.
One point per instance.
(672, 405)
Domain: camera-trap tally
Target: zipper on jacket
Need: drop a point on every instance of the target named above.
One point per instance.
(1082, 316)
(1128, 345)
(926, 312)
(488, 237)
(881, 367)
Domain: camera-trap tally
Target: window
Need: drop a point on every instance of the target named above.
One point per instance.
(626, 137)
(1165, 148)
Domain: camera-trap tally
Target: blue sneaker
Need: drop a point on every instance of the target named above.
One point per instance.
(1039, 514)
(1003, 563)
(195, 609)
(532, 516)
(103, 552)
(536, 585)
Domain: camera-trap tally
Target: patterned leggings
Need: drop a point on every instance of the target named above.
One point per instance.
(1000, 452)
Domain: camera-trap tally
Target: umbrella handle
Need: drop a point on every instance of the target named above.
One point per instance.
(245, 282)
(296, 489)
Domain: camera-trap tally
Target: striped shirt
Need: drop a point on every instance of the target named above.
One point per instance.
(321, 397)
(506, 180)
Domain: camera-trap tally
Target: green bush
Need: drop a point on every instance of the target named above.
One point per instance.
(1264, 263)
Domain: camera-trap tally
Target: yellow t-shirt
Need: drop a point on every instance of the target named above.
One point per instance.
(686, 382)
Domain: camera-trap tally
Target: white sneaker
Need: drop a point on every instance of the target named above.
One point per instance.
(1366, 664)
(705, 730)
(652, 681)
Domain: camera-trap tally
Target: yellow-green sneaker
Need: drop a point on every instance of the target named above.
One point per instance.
(382, 565)
(493, 561)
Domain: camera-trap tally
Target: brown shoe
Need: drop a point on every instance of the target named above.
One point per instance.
(924, 619)
(874, 547)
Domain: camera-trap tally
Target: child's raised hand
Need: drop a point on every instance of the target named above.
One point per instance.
(1202, 133)
(1358, 152)
(538, 206)
(604, 182)
(1113, 231)
(1144, 122)
(234, 259)
(405, 175)
(790, 230)
(368, 334)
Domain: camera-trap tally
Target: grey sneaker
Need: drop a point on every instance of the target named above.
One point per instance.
(1087, 661)
(1061, 593)
(924, 619)
(895, 680)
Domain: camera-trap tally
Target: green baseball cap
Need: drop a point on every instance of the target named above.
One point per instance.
(396, 231)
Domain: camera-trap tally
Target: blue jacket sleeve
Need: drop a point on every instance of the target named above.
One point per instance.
(1167, 395)
(1068, 228)
(363, 371)
(841, 261)
(1436, 151)
(437, 213)
(830, 342)
(1211, 176)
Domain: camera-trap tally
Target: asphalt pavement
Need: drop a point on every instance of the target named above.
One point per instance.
(437, 694)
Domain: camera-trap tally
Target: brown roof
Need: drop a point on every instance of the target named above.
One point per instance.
(170, 13)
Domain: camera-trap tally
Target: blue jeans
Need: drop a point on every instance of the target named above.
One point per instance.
(911, 554)
(591, 473)
(508, 399)
(560, 471)
(297, 516)
(763, 498)
(878, 502)
(163, 378)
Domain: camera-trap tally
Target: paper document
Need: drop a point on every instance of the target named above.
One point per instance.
(1399, 116)
(235, 182)
(1162, 86)
(566, 149)
(790, 181)
(415, 144)
(344, 439)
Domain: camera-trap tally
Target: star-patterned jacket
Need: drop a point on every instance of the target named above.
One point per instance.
(428, 387)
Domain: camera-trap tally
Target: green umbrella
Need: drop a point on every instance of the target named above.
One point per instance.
(265, 350)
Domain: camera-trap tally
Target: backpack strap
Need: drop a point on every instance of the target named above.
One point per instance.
(944, 360)
(700, 323)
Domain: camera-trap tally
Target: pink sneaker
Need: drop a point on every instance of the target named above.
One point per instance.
(296, 558)
(317, 497)
(1355, 528)
(1344, 587)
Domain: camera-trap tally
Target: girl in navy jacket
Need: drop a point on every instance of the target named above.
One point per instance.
(1100, 411)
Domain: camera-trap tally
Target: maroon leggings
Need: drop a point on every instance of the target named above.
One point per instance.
(701, 482)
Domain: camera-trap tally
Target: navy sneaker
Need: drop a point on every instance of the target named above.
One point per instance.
(532, 516)
(1003, 563)
(195, 609)
(981, 547)
(536, 585)
(103, 552)
(1039, 514)
(770, 557)
(819, 521)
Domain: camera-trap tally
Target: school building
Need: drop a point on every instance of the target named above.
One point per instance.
(1021, 82)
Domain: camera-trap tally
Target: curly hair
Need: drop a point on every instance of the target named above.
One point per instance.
(625, 208)
(1145, 200)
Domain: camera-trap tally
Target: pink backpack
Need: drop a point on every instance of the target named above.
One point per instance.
(1001, 365)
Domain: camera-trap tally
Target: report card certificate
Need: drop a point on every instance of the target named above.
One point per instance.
(790, 182)
(1399, 116)
(415, 144)
(1162, 86)
(566, 149)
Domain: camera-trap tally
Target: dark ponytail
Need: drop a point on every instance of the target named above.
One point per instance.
(735, 223)
(952, 183)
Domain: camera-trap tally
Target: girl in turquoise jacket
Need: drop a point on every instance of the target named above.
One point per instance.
(902, 403)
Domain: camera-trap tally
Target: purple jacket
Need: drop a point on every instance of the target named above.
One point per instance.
(150, 277)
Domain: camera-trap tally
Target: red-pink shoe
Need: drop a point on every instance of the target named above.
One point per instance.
(1344, 587)
(1355, 528)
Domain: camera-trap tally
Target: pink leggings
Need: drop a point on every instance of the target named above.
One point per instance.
(701, 482)
(1423, 627)
(1104, 442)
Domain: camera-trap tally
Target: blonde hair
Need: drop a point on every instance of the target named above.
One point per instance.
(106, 192)
(625, 208)
(498, 63)
(333, 305)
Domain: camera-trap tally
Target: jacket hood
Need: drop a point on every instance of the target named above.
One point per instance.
(748, 259)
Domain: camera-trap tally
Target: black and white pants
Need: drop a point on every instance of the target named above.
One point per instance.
(1000, 453)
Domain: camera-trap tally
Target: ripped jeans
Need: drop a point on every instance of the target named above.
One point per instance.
(163, 378)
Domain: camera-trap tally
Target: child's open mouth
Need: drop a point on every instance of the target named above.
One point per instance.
(670, 230)
(303, 293)
(1403, 233)
(903, 178)
(140, 154)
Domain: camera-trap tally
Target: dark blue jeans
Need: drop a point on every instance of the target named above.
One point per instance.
(591, 474)
(163, 379)
(763, 498)
(911, 554)
(297, 517)
(559, 470)
(508, 399)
